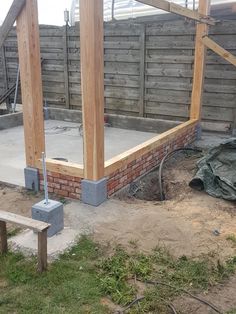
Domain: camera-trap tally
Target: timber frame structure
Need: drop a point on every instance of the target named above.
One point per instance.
(97, 179)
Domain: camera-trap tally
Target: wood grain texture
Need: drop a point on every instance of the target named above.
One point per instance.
(10, 19)
(179, 10)
(168, 68)
(3, 237)
(199, 63)
(211, 44)
(42, 251)
(62, 167)
(66, 72)
(92, 76)
(33, 224)
(31, 81)
(142, 70)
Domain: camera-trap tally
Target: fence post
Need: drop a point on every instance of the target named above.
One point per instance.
(142, 69)
(5, 77)
(66, 68)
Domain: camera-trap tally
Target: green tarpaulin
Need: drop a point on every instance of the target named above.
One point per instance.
(217, 171)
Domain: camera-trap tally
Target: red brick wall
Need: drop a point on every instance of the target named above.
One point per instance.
(69, 186)
(124, 176)
(62, 185)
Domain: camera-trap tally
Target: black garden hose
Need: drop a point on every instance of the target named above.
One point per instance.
(162, 196)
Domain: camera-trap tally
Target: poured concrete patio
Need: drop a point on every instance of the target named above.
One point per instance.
(62, 141)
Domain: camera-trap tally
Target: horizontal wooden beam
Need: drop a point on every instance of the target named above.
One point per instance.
(10, 19)
(179, 10)
(22, 221)
(211, 44)
(130, 155)
(62, 167)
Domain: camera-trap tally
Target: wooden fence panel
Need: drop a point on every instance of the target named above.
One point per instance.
(148, 70)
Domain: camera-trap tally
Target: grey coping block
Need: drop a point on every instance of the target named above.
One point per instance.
(11, 120)
(199, 131)
(31, 179)
(94, 192)
(51, 213)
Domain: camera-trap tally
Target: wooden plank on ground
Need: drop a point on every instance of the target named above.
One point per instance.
(31, 81)
(10, 19)
(211, 44)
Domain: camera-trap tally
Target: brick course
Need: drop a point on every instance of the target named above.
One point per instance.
(62, 185)
(135, 169)
(69, 186)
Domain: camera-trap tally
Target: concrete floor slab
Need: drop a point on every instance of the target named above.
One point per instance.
(27, 242)
(62, 141)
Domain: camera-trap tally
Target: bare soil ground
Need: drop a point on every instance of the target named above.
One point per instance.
(17, 200)
(188, 223)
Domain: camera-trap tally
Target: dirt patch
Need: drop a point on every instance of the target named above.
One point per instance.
(223, 296)
(176, 173)
(18, 201)
(189, 223)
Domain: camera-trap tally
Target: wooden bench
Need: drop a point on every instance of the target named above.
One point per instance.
(35, 225)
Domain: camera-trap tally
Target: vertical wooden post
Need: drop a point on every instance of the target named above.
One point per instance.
(42, 251)
(31, 81)
(92, 82)
(142, 69)
(66, 68)
(3, 237)
(199, 63)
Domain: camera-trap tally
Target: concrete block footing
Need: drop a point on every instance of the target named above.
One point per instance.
(199, 131)
(51, 213)
(94, 192)
(31, 179)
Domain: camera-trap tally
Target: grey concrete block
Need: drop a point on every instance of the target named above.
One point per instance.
(11, 120)
(31, 179)
(94, 192)
(65, 114)
(117, 121)
(51, 213)
(199, 131)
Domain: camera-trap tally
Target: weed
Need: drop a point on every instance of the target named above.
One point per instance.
(77, 281)
(13, 232)
(134, 243)
(117, 271)
(232, 238)
(233, 311)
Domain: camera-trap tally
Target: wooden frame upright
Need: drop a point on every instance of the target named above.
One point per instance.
(92, 64)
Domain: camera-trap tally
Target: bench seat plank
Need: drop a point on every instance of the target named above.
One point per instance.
(38, 226)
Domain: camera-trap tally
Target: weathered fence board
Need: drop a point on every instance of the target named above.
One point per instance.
(148, 70)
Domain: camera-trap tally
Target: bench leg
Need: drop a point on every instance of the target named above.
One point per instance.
(42, 251)
(3, 237)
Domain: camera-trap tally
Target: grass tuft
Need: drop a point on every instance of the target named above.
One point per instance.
(120, 272)
(81, 277)
(232, 238)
